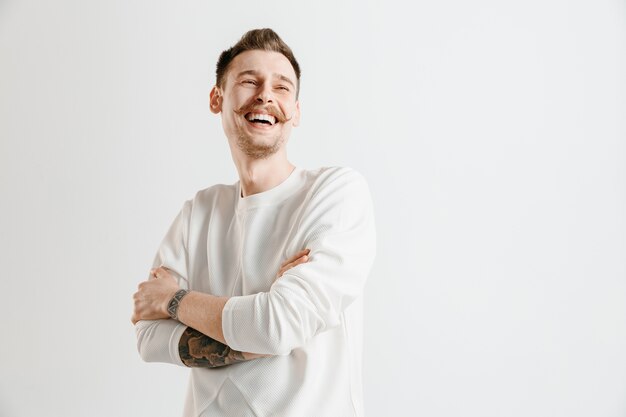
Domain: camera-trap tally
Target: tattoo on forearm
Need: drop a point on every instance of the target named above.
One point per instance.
(198, 350)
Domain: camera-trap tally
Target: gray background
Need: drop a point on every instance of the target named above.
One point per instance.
(492, 135)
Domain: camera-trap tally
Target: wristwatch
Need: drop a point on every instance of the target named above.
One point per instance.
(172, 306)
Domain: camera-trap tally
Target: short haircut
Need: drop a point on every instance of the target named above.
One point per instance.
(256, 39)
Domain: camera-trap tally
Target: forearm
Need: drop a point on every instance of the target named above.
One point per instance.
(203, 312)
(202, 343)
(169, 341)
(198, 350)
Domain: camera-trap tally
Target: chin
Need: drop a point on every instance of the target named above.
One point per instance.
(259, 146)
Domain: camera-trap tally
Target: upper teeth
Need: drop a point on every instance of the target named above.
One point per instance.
(260, 116)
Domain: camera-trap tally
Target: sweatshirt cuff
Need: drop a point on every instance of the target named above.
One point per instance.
(229, 319)
(158, 340)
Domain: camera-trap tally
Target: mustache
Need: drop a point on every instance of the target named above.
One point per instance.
(273, 110)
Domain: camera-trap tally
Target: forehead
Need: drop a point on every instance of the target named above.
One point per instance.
(268, 63)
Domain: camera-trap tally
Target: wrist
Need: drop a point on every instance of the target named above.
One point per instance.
(174, 302)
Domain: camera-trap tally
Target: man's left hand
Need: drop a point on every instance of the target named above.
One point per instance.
(154, 295)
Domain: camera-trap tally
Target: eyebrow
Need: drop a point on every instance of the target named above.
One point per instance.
(254, 72)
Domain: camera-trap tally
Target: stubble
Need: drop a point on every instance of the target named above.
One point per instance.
(257, 150)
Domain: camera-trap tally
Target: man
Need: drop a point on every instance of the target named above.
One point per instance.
(259, 345)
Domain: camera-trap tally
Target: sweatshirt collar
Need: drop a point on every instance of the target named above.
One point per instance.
(272, 196)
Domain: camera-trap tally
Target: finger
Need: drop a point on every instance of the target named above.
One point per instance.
(288, 265)
(298, 261)
(300, 257)
(297, 255)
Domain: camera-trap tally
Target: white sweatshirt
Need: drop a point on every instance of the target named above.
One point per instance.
(310, 319)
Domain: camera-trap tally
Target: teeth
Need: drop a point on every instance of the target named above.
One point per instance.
(259, 116)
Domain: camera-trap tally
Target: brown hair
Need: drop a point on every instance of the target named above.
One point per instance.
(256, 39)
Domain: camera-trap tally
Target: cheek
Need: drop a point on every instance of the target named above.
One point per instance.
(233, 122)
(289, 111)
(295, 115)
(241, 96)
(229, 123)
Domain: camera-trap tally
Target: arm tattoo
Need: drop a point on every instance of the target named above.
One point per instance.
(198, 350)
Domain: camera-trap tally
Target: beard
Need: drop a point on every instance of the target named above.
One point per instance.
(247, 144)
(257, 150)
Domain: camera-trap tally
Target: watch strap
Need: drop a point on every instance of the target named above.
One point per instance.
(172, 306)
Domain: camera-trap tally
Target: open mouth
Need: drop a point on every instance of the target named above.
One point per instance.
(260, 119)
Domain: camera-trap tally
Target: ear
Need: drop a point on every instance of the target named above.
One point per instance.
(215, 100)
(296, 116)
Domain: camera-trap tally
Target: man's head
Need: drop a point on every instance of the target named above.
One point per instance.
(256, 40)
(256, 91)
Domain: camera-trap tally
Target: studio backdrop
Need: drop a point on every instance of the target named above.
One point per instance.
(492, 136)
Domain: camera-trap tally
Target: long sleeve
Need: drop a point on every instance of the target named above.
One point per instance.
(157, 340)
(338, 227)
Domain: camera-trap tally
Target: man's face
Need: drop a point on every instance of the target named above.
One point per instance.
(258, 102)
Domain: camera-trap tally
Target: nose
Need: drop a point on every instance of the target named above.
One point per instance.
(264, 94)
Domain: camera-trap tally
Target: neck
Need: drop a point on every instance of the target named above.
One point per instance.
(258, 175)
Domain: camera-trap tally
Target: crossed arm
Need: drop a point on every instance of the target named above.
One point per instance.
(202, 343)
(198, 350)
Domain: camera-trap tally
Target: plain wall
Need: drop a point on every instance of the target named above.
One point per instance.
(493, 138)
